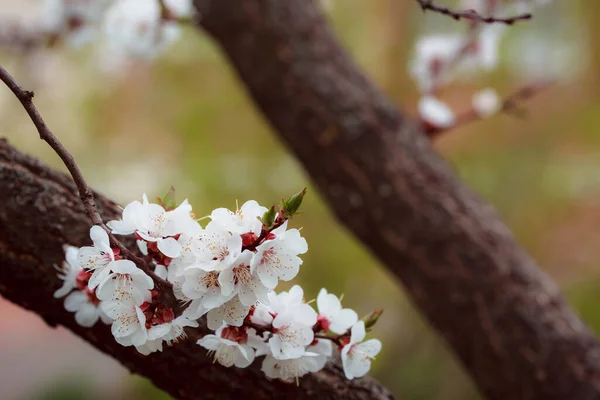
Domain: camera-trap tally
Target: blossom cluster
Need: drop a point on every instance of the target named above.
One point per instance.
(442, 58)
(226, 272)
(141, 28)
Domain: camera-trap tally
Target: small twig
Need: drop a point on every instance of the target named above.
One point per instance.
(509, 105)
(471, 15)
(85, 193)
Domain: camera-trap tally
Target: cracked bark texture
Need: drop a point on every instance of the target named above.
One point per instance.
(40, 212)
(503, 317)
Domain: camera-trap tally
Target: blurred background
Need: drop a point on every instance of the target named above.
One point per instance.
(185, 121)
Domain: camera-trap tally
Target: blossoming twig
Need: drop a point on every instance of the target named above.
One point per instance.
(471, 15)
(85, 193)
(509, 105)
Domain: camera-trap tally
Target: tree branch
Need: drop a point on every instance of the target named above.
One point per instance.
(503, 317)
(40, 213)
(471, 15)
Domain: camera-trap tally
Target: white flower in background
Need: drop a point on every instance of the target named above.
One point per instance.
(129, 327)
(155, 225)
(171, 332)
(125, 287)
(69, 271)
(331, 314)
(293, 331)
(313, 360)
(161, 271)
(75, 20)
(486, 102)
(278, 258)
(487, 46)
(86, 308)
(180, 8)
(136, 28)
(97, 258)
(203, 287)
(242, 280)
(216, 248)
(435, 112)
(244, 220)
(228, 346)
(431, 55)
(232, 313)
(357, 355)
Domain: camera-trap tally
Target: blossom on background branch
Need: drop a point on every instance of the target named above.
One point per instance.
(442, 58)
(471, 15)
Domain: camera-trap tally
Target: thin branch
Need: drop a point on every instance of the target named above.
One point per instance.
(471, 15)
(85, 193)
(510, 105)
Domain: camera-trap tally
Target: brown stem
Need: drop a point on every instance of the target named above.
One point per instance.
(85, 193)
(471, 15)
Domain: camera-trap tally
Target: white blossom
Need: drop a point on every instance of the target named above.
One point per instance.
(244, 220)
(150, 347)
(97, 258)
(136, 28)
(233, 313)
(436, 112)
(171, 332)
(357, 355)
(241, 279)
(76, 21)
(180, 8)
(216, 247)
(203, 287)
(313, 360)
(278, 258)
(129, 327)
(228, 347)
(69, 271)
(86, 308)
(331, 314)
(486, 103)
(125, 287)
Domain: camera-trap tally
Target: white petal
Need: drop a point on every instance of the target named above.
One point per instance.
(371, 347)
(158, 331)
(169, 247)
(343, 320)
(358, 332)
(64, 290)
(98, 277)
(305, 314)
(161, 271)
(209, 342)
(75, 300)
(99, 237)
(244, 356)
(87, 315)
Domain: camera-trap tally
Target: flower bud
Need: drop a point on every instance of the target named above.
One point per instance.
(371, 318)
(268, 219)
(290, 206)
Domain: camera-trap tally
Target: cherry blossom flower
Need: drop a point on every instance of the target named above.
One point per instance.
(435, 112)
(125, 287)
(136, 28)
(203, 287)
(77, 21)
(357, 355)
(97, 258)
(171, 332)
(241, 279)
(292, 331)
(233, 313)
(245, 220)
(313, 360)
(86, 308)
(180, 8)
(151, 346)
(278, 258)
(216, 247)
(69, 271)
(228, 346)
(129, 326)
(331, 315)
(486, 102)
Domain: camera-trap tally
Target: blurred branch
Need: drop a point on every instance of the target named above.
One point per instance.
(511, 105)
(40, 213)
(471, 15)
(502, 316)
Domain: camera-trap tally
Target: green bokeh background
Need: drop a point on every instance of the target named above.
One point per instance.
(186, 121)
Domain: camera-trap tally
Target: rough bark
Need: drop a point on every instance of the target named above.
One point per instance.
(40, 212)
(499, 313)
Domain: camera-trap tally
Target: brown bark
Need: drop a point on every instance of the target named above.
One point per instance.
(500, 314)
(40, 212)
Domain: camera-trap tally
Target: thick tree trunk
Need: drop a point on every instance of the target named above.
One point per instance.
(502, 317)
(40, 212)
